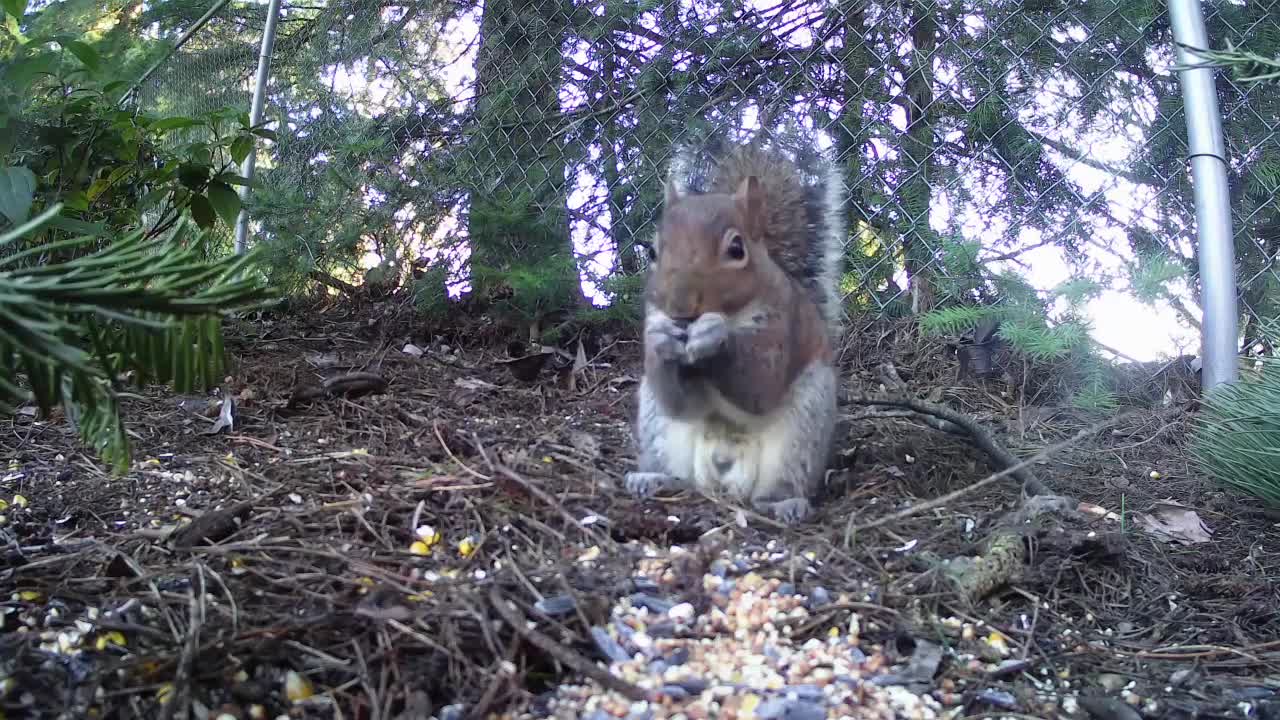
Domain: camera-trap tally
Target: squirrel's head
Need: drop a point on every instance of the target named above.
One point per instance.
(708, 253)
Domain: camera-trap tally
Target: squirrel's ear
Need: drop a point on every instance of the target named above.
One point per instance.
(670, 193)
(749, 199)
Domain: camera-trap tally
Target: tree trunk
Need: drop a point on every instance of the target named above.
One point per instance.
(920, 242)
(519, 220)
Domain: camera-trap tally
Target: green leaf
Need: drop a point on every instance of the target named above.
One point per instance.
(77, 200)
(201, 154)
(225, 201)
(16, 8)
(85, 54)
(202, 211)
(265, 133)
(17, 192)
(174, 123)
(79, 227)
(193, 175)
(97, 188)
(21, 73)
(241, 148)
(234, 179)
(31, 226)
(152, 198)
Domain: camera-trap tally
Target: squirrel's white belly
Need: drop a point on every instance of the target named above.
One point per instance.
(718, 458)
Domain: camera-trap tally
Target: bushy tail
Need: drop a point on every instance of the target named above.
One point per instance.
(805, 227)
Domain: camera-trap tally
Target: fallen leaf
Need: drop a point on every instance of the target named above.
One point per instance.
(411, 349)
(1172, 522)
(474, 384)
(384, 603)
(226, 416)
(579, 365)
(585, 443)
(322, 360)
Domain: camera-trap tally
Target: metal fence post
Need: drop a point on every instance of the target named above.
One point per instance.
(255, 117)
(1208, 155)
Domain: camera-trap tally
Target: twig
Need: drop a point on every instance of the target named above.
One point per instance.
(990, 479)
(979, 436)
(541, 495)
(1198, 652)
(514, 618)
(497, 683)
(823, 615)
(435, 427)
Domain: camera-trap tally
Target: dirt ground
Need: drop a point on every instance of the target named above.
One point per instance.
(302, 577)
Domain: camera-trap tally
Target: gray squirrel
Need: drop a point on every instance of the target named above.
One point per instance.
(742, 313)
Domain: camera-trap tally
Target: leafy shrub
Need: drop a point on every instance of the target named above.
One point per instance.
(101, 277)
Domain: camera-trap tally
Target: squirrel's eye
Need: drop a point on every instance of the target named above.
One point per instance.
(736, 250)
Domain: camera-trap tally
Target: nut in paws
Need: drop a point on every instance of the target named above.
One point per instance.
(708, 335)
(667, 338)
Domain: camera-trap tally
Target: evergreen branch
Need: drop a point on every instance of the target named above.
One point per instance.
(1237, 433)
(1246, 67)
(1082, 158)
(71, 328)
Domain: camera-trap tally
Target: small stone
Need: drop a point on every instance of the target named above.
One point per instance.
(652, 603)
(645, 585)
(683, 612)
(675, 692)
(556, 605)
(804, 692)
(691, 685)
(772, 709)
(1112, 682)
(608, 645)
(998, 698)
(801, 710)
(818, 597)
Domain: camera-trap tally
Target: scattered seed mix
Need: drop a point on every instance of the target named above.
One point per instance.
(736, 659)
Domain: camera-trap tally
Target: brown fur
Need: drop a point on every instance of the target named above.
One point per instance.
(781, 225)
(778, 329)
(739, 390)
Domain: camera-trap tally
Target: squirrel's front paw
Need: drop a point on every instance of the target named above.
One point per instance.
(646, 484)
(667, 339)
(708, 335)
(792, 511)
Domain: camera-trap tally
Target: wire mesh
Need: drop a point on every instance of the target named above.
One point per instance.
(214, 69)
(1041, 139)
(1251, 113)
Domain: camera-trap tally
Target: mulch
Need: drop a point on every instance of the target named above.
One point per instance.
(334, 552)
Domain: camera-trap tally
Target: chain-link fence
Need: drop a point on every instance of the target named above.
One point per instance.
(1041, 139)
(1251, 113)
(210, 70)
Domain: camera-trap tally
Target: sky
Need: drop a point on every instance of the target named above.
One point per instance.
(1120, 322)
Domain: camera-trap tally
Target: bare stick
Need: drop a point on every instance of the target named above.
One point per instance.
(977, 434)
(990, 479)
(579, 664)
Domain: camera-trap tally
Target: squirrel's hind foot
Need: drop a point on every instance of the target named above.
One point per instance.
(792, 511)
(647, 484)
